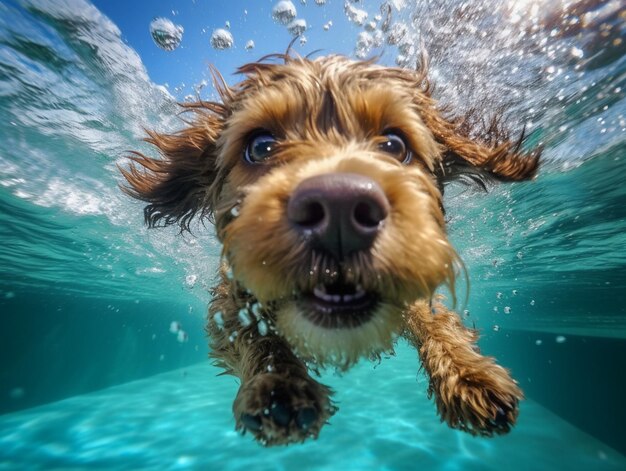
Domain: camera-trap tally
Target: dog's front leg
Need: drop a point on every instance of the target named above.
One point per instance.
(278, 401)
(471, 391)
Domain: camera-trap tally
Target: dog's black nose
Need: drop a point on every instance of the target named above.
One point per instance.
(341, 212)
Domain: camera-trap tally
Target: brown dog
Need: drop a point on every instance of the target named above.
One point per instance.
(324, 179)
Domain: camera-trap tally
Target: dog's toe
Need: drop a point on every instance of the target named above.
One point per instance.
(251, 422)
(280, 413)
(306, 417)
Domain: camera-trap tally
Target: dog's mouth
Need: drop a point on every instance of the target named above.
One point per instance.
(338, 304)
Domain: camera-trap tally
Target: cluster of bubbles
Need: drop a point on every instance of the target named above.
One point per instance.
(285, 13)
(379, 29)
(166, 34)
(176, 328)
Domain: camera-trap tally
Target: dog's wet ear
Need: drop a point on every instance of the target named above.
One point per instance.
(179, 185)
(479, 149)
(472, 146)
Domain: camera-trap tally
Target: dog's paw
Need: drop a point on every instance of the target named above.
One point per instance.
(280, 409)
(483, 403)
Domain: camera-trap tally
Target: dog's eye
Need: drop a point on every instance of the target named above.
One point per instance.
(260, 147)
(395, 145)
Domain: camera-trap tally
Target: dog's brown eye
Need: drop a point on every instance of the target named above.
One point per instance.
(395, 145)
(260, 147)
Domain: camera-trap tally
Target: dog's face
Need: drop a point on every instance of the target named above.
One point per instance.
(324, 181)
(329, 209)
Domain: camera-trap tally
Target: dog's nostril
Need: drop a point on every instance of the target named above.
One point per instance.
(368, 214)
(310, 214)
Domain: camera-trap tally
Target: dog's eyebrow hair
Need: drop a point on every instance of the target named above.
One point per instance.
(327, 113)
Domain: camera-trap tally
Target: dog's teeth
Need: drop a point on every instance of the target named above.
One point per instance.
(319, 292)
(360, 292)
(336, 298)
(347, 298)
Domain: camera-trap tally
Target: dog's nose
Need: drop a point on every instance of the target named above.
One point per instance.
(341, 212)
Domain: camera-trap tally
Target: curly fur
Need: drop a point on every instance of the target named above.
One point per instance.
(328, 116)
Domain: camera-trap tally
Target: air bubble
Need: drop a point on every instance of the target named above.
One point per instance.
(175, 327)
(166, 34)
(249, 45)
(297, 27)
(256, 310)
(262, 327)
(219, 319)
(577, 52)
(284, 12)
(363, 44)
(182, 336)
(222, 39)
(507, 310)
(499, 295)
(234, 211)
(396, 33)
(496, 328)
(355, 15)
(244, 317)
(190, 280)
(560, 339)
(538, 342)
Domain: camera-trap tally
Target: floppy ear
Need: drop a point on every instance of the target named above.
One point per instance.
(473, 146)
(179, 185)
(477, 148)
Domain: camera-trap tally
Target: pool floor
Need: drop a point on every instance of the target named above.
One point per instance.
(182, 420)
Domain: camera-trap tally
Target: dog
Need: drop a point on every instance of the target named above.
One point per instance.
(324, 179)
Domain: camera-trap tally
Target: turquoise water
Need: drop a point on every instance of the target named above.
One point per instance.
(91, 376)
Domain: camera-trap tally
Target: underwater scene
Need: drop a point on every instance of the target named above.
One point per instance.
(103, 345)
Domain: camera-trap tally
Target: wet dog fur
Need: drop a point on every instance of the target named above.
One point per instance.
(292, 123)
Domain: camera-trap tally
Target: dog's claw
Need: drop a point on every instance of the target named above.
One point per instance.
(306, 417)
(251, 422)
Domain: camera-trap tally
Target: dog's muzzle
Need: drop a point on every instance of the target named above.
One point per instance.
(338, 214)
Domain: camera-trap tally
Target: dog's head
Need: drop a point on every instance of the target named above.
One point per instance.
(324, 178)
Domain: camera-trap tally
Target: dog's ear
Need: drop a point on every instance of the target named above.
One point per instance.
(179, 185)
(475, 147)
(472, 145)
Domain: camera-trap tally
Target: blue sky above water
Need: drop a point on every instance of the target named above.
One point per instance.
(188, 64)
